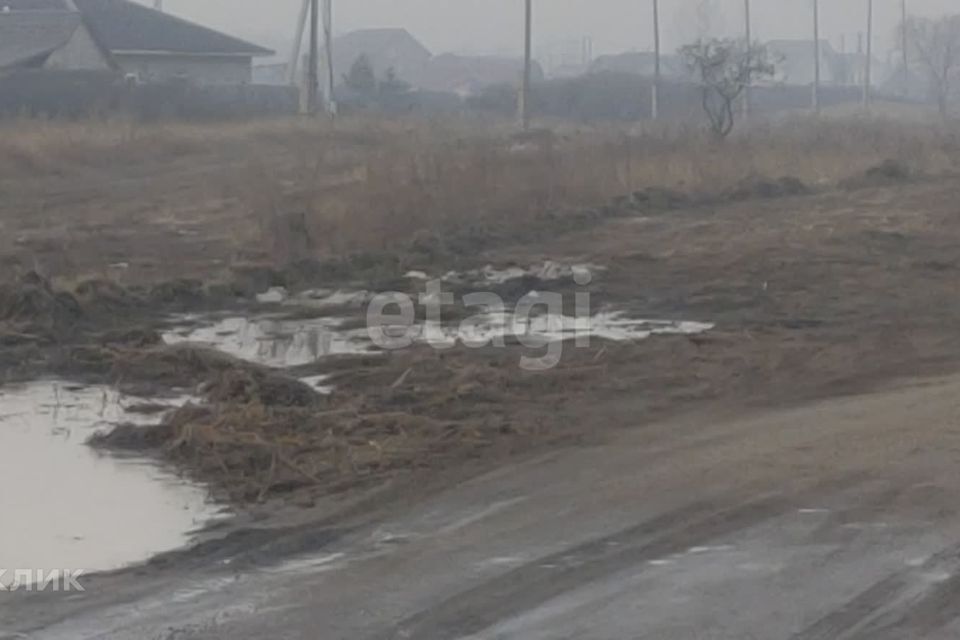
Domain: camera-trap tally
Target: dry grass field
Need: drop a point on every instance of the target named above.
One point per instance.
(81, 196)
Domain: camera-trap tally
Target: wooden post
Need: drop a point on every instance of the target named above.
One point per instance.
(313, 80)
(297, 43)
(748, 35)
(524, 106)
(869, 61)
(655, 91)
(904, 45)
(330, 100)
(816, 56)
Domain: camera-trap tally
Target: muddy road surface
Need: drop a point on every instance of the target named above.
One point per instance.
(834, 520)
(761, 439)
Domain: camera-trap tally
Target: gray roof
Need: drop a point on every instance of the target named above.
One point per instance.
(384, 47)
(33, 35)
(122, 25)
(32, 5)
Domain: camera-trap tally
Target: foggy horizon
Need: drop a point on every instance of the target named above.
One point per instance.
(493, 26)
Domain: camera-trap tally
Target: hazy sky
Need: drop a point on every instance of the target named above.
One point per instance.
(494, 26)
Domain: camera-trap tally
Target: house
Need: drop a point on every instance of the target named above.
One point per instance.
(122, 35)
(794, 62)
(386, 49)
(467, 75)
(56, 40)
(641, 63)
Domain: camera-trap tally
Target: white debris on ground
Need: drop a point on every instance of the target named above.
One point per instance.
(318, 384)
(274, 295)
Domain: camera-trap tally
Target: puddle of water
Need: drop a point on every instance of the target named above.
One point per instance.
(554, 327)
(276, 342)
(67, 506)
(546, 271)
(321, 298)
(291, 343)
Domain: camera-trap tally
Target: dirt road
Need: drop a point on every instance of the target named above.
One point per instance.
(834, 520)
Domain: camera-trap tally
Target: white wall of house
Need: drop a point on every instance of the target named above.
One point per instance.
(79, 53)
(200, 69)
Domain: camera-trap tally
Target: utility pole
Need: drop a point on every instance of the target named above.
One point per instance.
(655, 90)
(330, 101)
(524, 103)
(748, 35)
(816, 56)
(294, 64)
(313, 81)
(869, 60)
(903, 45)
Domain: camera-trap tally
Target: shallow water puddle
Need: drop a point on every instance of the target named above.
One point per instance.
(545, 271)
(291, 343)
(613, 326)
(277, 342)
(65, 505)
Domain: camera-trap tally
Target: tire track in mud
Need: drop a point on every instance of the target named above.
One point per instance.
(536, 583)
(907, 604)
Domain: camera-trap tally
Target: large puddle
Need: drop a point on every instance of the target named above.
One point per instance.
(66, 506)
(277, 342)
(291, 343)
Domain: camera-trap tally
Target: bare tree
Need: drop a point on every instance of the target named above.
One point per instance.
(724, 69)
(935, 45)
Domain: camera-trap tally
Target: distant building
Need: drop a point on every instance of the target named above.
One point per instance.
(272, 73)
(56, 40)
(121, 35)
(385, 48)
(795, 63)
(642, 63)
(467, 75)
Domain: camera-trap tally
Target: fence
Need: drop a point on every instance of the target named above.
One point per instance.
(82, 94)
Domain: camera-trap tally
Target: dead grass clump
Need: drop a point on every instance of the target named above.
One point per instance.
(887, 173)
(171, 366)
(257, 386)
(760, 187)
(252, 450)
(259, 433)
(104, 295)
(32, 306)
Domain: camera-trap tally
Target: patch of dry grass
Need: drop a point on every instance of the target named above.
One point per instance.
(314, 188)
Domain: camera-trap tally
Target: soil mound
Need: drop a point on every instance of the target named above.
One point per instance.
(761, 187)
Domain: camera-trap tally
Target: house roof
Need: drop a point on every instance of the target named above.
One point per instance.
(26, 36)
(383, 46)
(122, 25)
